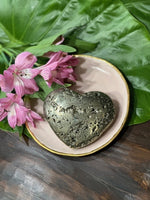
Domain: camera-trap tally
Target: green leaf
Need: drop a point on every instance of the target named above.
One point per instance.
(20, 18)
(61, 47)
(3, 63)
(140, 9)
(2, 94)
(117, 30)
(121, 40)
(80, 45)
(5, 127)
(44, 89)
(26, 132)
(49, 40)
(40, 49)
(3, 37)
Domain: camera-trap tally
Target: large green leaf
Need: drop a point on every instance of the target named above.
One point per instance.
(117, 36)
(140, 9)
(30, 21)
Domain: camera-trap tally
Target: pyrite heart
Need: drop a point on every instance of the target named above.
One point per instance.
(78, 119)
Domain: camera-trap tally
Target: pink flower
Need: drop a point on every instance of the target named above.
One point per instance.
(32, 116)
(58, 68)
(17, 114)
(19, 76)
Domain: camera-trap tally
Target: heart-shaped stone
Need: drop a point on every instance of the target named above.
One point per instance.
(78, 119)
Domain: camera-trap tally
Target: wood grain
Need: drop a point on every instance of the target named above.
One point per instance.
(119, 172)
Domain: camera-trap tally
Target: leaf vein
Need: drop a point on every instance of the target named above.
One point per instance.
(30, 20)
(55, 21)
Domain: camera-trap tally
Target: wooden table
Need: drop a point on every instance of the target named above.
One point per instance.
(119, 172)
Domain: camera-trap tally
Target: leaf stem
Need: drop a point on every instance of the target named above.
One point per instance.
(7, 52)
(11, 58)
(13, 51)
(5, 60)
(37, 64)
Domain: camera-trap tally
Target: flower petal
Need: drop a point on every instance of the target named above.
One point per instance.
(12, 68)
(30, 86)
(11, 96)
(2, 79)
(5, 103)
(49, 82)
(32, 116)
(6, 81)
(46, 73)
(69, 61)
(55, 56)
(12, 117)
(18, 100)
(19, 86)
(21, 112)
(29, 73)
(35, 115)
(3, 115)
(58, 81)
(72, 77)
(25, 60)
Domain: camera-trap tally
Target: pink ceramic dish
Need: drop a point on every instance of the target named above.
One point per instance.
(93, 74)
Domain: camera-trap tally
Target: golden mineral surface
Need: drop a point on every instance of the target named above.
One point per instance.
(78, 119)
